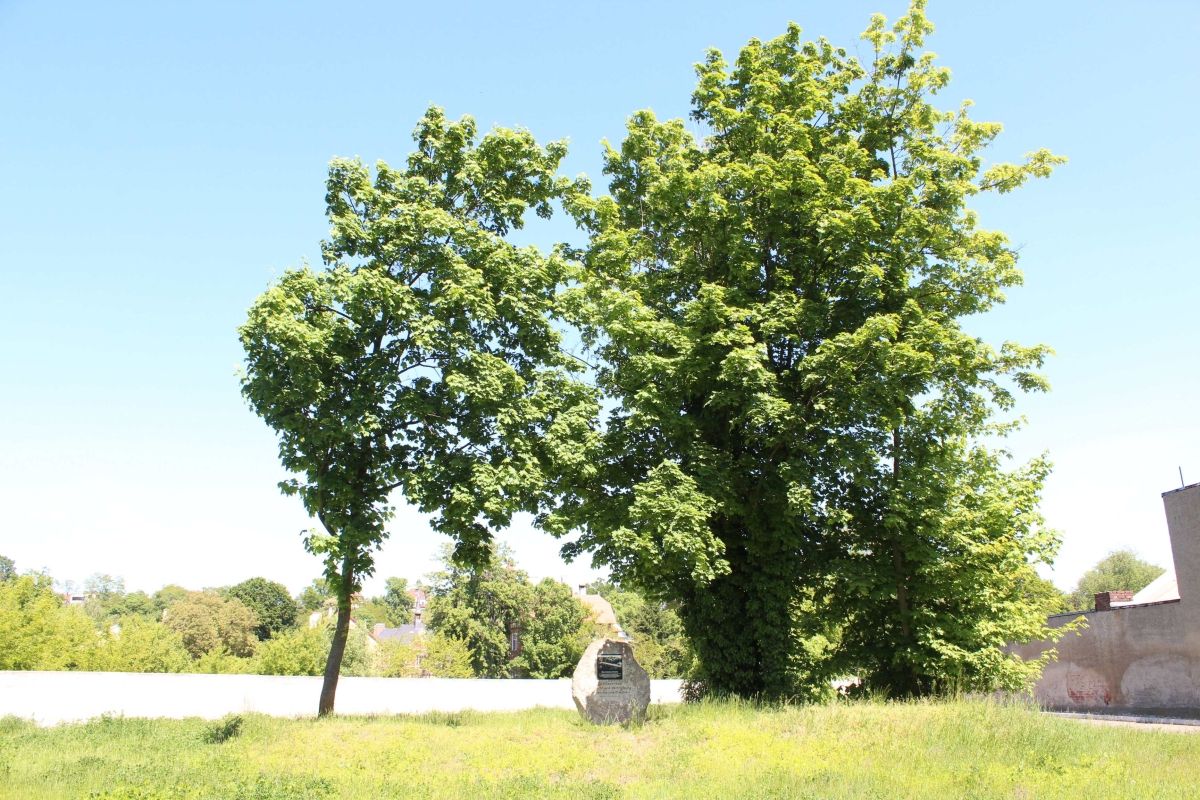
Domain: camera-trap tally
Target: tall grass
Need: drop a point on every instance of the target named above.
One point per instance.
(713, 750)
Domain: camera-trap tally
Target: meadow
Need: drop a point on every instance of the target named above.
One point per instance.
(967, 749)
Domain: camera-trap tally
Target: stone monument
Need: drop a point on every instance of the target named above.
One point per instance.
(609, 685)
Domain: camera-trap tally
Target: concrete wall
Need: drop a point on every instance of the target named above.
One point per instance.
(1143, 658)
(53, 697)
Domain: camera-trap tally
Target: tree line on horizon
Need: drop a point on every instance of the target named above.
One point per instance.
(257, 627)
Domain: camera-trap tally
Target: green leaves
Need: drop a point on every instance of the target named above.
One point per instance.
(796, 415)
(424, 356)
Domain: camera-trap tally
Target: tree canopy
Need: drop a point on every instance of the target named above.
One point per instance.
(797, 447)
(271, 603)
(1120, 570)
(423, 357)
(484, 606)
(799, 441)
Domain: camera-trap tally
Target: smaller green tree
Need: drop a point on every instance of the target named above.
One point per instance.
(137, 644)
(271, 603)
(208, 622)
(432, 655)
(398, 601)
(481, 607)
(397, 659)
(1120, 570)
(446, 657)
(555, 629)
(8, 569)
(659, 640)
(167, 596)
(38, 632)
(297, 652)
(314, 596)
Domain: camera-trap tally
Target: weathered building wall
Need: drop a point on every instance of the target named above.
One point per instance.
(1143, 658)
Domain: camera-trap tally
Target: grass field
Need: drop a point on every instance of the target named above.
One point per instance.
(717, 750)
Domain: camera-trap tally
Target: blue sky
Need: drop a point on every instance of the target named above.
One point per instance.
(161, 163)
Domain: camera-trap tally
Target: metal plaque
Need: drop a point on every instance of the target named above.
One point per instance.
(610, 666)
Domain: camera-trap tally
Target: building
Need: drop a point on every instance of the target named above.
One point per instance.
(1140, 652)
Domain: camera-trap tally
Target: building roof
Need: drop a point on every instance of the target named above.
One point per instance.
(1162, 588)
(602, 610)
(403, 633)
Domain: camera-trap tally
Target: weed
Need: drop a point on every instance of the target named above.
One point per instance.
(223, 729)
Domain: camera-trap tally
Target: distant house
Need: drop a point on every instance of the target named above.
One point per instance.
(401, 633)
(602, 612)
(405, 633)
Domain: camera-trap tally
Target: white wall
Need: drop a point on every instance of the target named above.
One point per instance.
(53, 697)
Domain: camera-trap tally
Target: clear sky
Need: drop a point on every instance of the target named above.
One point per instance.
(161, 163)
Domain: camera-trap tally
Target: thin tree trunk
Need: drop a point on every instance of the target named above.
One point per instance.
(341, 631)
(897, 554)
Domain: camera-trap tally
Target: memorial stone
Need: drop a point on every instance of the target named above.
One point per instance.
(609, 685)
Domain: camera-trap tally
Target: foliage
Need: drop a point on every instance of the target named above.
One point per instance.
(301, 651)
(796, 450)
(222, 662)
(167, 596)
(445, 657)
(271, 603)
(106, 608)
(660, 644)
(432, 655)
(208, 622)
(423, 357)
(38, 632)
(370, 612)
(1048, 597)
(313, 596)
(224, 729)
(8, 569)
(555, 630)
(398, 601)
(1120, 570)
(397, 659)
(480, 606)
(137, 644)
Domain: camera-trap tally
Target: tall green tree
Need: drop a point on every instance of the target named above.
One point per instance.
(398, 601)
(481, 605)
(38, 632)
(8, 569)
(484, 606)
(313, 596)
(797, 448)
(1120, 570)
(423, 358)
(271, 603)
(555, 630)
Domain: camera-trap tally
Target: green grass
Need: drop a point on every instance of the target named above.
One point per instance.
(717, 750)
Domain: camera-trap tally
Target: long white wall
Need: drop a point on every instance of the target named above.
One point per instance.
(50, 698)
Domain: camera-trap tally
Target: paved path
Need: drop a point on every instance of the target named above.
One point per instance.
(1172, 724)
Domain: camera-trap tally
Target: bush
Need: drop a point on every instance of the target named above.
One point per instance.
(136, 644)
(223, 729)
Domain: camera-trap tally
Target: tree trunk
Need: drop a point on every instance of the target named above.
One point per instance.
(341, 631)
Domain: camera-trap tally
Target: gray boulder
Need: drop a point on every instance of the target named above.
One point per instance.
(609, 685)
